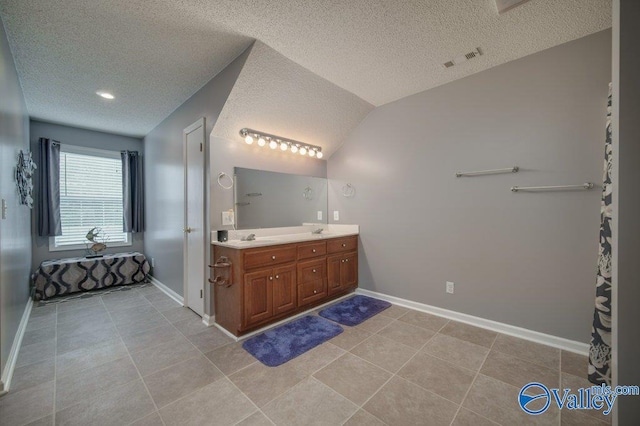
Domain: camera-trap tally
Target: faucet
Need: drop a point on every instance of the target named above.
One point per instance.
(250, 237)
(317, 231)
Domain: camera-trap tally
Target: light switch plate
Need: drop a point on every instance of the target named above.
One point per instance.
(227, 218)
(319, 214)
(336, 215)
(449, 287)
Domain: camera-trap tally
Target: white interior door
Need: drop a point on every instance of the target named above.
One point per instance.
(194, 225)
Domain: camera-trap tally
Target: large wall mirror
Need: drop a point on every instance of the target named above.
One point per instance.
(271, 199)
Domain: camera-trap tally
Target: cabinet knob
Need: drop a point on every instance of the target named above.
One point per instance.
(346, 260)
(313, 251)
(342, 261)
(270, 278)
(277, 277)
(315, 291)
(314, 271)
(273, 257)
(344, 244)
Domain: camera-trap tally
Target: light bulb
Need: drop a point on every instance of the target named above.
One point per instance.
(319, 154)
(284, 146)
(273, 144)
(303, 151)
(248, 139)
(294, 148)
(261, 141)
(312, 153)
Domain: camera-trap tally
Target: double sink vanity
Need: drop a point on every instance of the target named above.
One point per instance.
(283, 272)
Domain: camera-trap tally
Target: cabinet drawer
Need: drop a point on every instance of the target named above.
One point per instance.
(337, 245)
(306, 251)
(270, 256)
(312, 270)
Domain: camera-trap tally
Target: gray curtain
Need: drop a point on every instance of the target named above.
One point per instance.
(132, 191)
(49, 224)
(600, 350)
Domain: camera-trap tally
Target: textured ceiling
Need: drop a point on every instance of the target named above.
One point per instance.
(154, 54)
(275, 95)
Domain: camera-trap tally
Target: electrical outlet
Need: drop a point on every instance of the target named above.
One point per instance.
(449, 287)
(319, 214)
(227, 217)
(153, 262)
(336, 215)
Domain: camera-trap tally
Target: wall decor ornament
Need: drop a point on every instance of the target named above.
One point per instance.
(24, 178)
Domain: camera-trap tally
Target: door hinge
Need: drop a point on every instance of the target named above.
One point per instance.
(201, 294)
(201, 147)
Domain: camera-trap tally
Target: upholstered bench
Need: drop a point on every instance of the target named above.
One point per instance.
(65, 276)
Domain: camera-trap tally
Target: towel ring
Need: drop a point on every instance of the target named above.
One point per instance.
(348, 191)
(221, 176)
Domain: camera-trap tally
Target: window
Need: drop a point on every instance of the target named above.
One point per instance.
(90, 196)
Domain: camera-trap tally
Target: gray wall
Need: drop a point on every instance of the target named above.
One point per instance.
(79, 137)
(164, 174)
(627, 205)
(520, 258)
(15, 232)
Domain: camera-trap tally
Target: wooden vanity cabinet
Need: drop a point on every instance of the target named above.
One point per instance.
(271, 283)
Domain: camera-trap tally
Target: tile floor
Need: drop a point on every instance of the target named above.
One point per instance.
(136, 357)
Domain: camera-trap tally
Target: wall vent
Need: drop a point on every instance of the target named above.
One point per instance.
(463, 58)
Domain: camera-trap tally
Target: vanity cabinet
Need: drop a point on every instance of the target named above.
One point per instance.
(268, 284)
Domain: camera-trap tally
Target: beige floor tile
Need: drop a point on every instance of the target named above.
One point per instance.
(45, 421)
(362, 418)
(90, 356)
(384, 352)
(33, 374)
(89, 324)
(143, 324)
(580, 418)
(574, 382)
(262, 384)
(424, 320)
(133, 314)
(518, 372)
(395, 311)
(209, 339)
(75, 386)
(78, 316)
(231, 358)
(469, 418)
(152, 419)
(165, 303)
(469, 333)
(256, 419)
(438, 376)
(36, 352)
(407, 334)
(310, 403)
(39, 335)
(536, 353)
(150, 338)
(181, 379)
(149, 290)
(42, 322)
(116, 305)
(349, 338)
(353, 377)
(179, 313)
(574, 364)
(74, 304)
(400, 402)
(154, 359)
(190, 326)
(498, 401)
(157, 297)
(81, 340)
(220, 403)
(456, 351)
(25, 406)
(316, 358)
(116, 406)
(375, 323)
(43, 311)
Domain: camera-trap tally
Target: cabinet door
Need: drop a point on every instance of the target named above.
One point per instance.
(284, 289)
(349, 271)
(312, 291)
(258, 296)
(333, 274)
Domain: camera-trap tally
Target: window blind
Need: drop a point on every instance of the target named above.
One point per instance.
(90, 196)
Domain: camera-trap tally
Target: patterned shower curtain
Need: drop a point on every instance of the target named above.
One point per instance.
(600, 350)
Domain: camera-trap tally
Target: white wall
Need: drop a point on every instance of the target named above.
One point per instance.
(519, 258)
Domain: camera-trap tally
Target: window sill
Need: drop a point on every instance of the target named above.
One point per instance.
(71, 247)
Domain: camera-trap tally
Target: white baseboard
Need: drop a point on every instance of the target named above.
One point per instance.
(10, 366)
(511, 330)
(208, 320)
(166, 290)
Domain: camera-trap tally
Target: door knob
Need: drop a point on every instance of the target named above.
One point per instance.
(188, 230)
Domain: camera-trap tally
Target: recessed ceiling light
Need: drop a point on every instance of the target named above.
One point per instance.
(105, 95)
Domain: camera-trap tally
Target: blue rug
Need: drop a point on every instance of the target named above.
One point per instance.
(355, 310)
(281, 344)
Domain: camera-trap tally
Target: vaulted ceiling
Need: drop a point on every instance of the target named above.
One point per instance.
(154, 54)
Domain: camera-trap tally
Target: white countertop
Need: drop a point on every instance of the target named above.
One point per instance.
(276, 236)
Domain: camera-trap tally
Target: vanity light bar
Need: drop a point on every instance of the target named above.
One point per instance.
(277, 142)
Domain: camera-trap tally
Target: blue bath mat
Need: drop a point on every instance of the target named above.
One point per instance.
(281, 344)
(355, 310)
